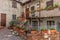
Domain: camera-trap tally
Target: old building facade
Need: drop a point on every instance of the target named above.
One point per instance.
(43, 14)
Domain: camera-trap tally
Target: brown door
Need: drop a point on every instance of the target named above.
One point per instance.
(27, 12)
(3, 19)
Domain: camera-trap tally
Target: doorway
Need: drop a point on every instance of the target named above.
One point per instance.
(27, 12)
(3, 19)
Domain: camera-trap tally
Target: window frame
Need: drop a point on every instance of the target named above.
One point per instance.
(14, 4)
(32, 9)
(50, 23)
(14, 17)
(49, 3)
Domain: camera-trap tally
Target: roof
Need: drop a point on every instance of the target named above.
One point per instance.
(23, 2)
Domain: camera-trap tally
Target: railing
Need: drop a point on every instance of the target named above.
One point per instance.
(35, 14)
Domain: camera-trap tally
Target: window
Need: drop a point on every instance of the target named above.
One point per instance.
(14, 17)
(35, 24)
(14, 4)
(50, 3)
(33, 12)
(50, 23)
(32, 8)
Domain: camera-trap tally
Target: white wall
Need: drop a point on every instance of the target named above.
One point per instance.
(6, 7)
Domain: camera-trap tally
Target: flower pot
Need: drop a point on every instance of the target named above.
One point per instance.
(56, 7)
(44, 31)
(9, 28)
(22, 31)
(49, 9)
(17, 29)
(33, 32)
(53, 31)
(14, 28)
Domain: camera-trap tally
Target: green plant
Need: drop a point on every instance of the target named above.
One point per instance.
(43, 9)
(56, 5)
(17, 27)
(25, 23)
(52, 28)
(12, 23)
(22, 28)
(43, 29)
(34, 29)
(49, 7)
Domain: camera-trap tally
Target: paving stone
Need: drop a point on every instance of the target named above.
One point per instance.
(5, 34)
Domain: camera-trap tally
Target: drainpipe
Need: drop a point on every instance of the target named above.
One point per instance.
(39, 15)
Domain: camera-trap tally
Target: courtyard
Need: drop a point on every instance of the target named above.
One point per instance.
(29, 19)
(5, 34)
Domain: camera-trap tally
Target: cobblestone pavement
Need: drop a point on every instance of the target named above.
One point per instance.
(5, 34)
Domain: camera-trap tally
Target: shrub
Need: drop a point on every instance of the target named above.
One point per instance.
(17, 27)
(52, 28)
(12, 23)
(56, 5)
(43, 29)
(34, 29)
(49, 7)
(22, 28)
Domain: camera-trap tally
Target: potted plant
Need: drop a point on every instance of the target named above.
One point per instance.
(43, 9)
(52, 30)
(33, 31)
(44, 30)
(49, 8)
(22, 29)
(17, 28)
(56, 5)
(12, 24)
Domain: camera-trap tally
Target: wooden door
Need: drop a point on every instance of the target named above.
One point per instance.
(27, 12)
(3, 19)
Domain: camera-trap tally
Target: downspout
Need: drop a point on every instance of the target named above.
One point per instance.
(39, 16)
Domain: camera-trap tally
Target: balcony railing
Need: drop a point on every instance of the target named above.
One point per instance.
(42, 12)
